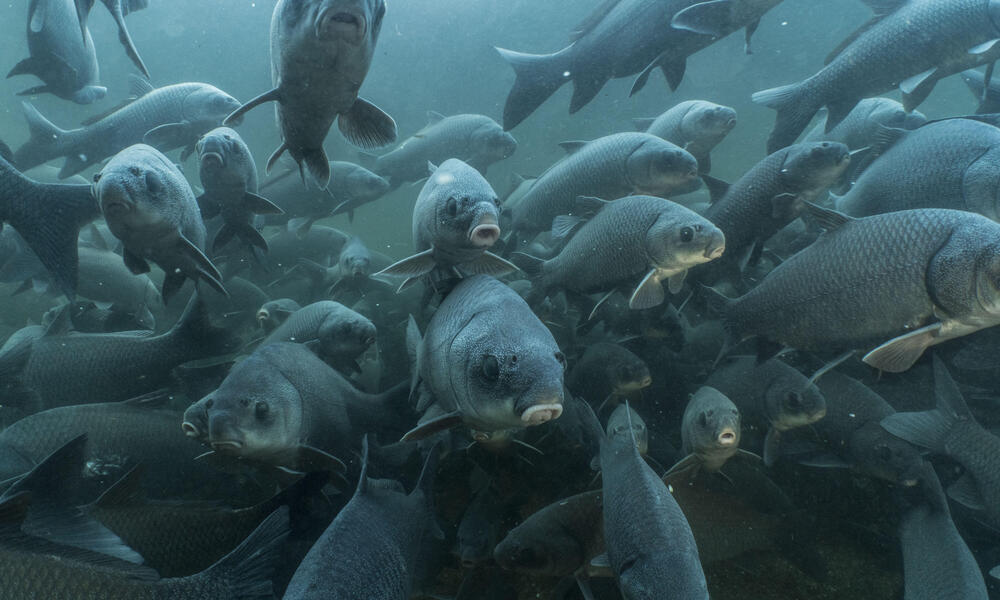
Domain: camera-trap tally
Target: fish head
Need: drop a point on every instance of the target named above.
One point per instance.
(660, 168)
(885, 456)
(466, 209)
(789, 404)
(355, 22)
(626, 371)
(256, 412)
(217, 148)
(712, 421)
(887, 113)
(195, 423)
(707, 120)
(345, 336)
(492, 143)
(511, 376)
(273, 313)
(624, 418)
(987, 279)
(537, 549)
(139, 190)
(814, 165)
(680, 239)
(207, 106)
(361, 184)
(355, 264)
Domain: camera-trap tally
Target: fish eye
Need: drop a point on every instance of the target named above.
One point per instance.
(210, 403)
(153, 183)
(687, 234)
(794, 401)
(703, 420)
(261, 409)
(491, 367)
(452, 206)
(496, 201)
(97, 177)
(561, 358)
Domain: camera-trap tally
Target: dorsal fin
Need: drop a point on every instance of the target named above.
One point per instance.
(572, 146)
(827, 218)
(593, 19)
(433, 118)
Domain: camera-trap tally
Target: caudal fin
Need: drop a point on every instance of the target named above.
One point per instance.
(538, 77)
(247, 570)
(45, 142)
(795, 109)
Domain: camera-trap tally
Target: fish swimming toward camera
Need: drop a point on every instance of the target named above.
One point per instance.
(320, 54)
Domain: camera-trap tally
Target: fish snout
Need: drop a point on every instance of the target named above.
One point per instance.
(485, 232)
(223, 435)
(346, 23)
(542, 413)
(262, 316)
(213, 158)
(716, 245)
(727, 437)
(190, 429)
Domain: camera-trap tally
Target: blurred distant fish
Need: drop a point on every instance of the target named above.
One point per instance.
(320, 54)
(906, 44)
(987, 95)
(351, 186)
(62, 52)
(150, 207)
(229, 176)
(661, 35)
(173, 116)
(475, 139)
(861, 126)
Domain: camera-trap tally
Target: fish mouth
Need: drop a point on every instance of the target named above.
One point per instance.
(368, 341)
(541, 413)
(485, 233)
(262, 315)
(210, 157)
(727, 437)
(716, 246)
(227, 446)
(348, 25)
(190, 429)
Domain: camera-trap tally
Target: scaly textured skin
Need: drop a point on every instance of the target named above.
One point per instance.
(695, 125)
(71, 57)
(949, 164)
(475, 139)
(860, 126)
(873, 279)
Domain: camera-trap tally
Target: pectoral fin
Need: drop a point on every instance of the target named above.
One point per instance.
(649, 293)
(367, 125)
(489, 264)
(899, 354)
(417, 265)
(429, 428)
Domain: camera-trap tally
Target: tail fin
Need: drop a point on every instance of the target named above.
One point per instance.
(44, 142)
(49, 218)
(930, 429)
(318, 165)
(247, 570)
(795, 110)
(538, 77)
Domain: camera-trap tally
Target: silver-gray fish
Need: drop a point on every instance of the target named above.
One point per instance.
(320, 54)
(695, 125)
(915, 278)
(987, 94)
(351, 186)
(150, 207)
(173, 116)
(485, 360)
(710, 431)
(334, 332)
(861, 126)
(636, 238)
(229, 175)
(455, 221)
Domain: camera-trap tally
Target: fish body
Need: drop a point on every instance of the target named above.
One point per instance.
(861, 126)
(334, 332)
(695, 125)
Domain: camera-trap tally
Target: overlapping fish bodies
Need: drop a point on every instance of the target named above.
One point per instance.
(954, 35)
(695, 125)
(229, 176)
(320, 54)
(485, 360)
(900, 281)
(455, 222)
(861, 127)
(48, 217)
(661, 36)
(337, 334)
(950, 163)
(119, 9)
(475, 139)
(173, 116)
(637, 238)
(351, 186)
(61, 57)
(150, 207)
(609, 167)
(987, 94)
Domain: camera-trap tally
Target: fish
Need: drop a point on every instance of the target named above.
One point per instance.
(989, 100)
(474, 139)
(119, 9)
(282, 406)
(59, 572)
(63, 368)
(59, 55)
(861, 127)
(274, 312)
(661, 36)
(937, 562)
(455, 221)
(335, 333)
(150, 207)
(695, 125)
(470, 370)
(710, 432)
(370, 549)
(321, 51)
(771, 395)
(625, 417)
(229, 176)
(650, 547)
(173, 116)
(104, 278)
(609, 167)
(477, 533)
(950, 429)
(850, 435)
(607, 371)
(943, 164)
(772, 194)
(48, 217)
(900, 282)
(884, 54)
(637, 238)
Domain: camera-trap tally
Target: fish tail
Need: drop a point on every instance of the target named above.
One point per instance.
(248, 568)
(930, 428)
(538, 76)
(44, 142)
(318, 166)
(795, 108)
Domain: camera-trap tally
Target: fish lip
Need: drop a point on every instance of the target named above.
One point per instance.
(485, 233)
(226, 445)
(190, 429)
(340, 23)
(541, 413)
(715, 249)
(210, 156)
(727, 437)
(262, 315)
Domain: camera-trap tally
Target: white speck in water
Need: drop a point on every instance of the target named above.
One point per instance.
(565, 73)
(852, 415)
(783, 23)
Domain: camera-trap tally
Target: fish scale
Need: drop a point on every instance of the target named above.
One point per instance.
(978, 451)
